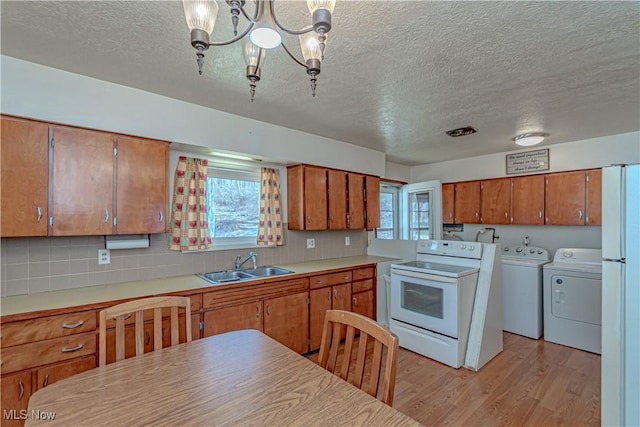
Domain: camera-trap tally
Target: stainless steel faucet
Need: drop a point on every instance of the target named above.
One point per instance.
(252, 255)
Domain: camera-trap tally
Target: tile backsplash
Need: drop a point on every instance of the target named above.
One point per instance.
(41, 264)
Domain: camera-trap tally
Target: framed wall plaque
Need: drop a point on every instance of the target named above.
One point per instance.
(528, 162)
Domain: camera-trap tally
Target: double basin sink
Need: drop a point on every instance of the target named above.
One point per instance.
(227, 276)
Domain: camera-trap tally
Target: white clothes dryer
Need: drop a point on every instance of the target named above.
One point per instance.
(572, 299)
(522, 289)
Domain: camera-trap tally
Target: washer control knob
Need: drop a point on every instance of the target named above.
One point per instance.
(532, 251)
(471, 247)
(463, 246)
(506, 249)
(519, 250)
(540, 251)
(567, 254)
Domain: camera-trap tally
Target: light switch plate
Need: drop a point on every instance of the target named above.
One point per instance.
(311, 243)
(104, 256)
(347, 240)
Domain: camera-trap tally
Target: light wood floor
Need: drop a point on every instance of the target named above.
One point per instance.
(531, 383)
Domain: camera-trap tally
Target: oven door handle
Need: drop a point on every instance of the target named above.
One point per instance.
(423, 276)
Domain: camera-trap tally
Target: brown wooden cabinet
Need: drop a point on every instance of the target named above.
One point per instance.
(307, 198)
(50, 374)
(25, 164)
(286, 320)
(594, 197)
(233, 318)
(363, 296)
(527, 200)
(357, 206)
(448, 194)
(328, 291)
(363, 303)
(337, 197)
(495, 201)
(372, 201)
(142, 185)
(467, 202)
(82, 180)
(16, 391)
(566, 198)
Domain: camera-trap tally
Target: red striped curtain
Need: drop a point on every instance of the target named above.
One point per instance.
(189, 230)
(270, 227)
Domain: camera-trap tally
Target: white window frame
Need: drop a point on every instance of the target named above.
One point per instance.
(394, 190)
(435, 187)
(239, 173)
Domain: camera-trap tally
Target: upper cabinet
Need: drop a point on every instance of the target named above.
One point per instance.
(448, 194)
(68, 181)
(495, 205)
(571, 199)
(372, 192)
(467, 202)
(527, 200)
(24, 146)
(82, 180)
(142, 185)
(321, 198)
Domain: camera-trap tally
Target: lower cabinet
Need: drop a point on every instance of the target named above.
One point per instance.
(234, 318)
(337, 297)
(286, 320)
(363, 303)
(50, 374)
(16, 391)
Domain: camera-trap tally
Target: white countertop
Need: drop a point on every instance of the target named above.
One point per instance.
(67, 298)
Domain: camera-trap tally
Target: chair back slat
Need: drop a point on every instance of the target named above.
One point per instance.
(378, 372)
(121, 312)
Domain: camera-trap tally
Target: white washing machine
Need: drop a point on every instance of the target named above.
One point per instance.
(573, 299)
(522, 289)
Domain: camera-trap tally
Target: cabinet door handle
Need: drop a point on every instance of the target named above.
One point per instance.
(268, 310)
(72, 349)
(257, 311)
(355, 301)
(540, 214)
(72, 325)
(506, 215)
(580, 213)
(106, 216)
(476, 214)
(21, 390)
(147, 337)
(161, 216)
(329, 295)
(335, 294)
(450, 214)
(46, 381)
(39, 211)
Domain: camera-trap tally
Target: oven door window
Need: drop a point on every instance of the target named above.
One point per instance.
(424, 300)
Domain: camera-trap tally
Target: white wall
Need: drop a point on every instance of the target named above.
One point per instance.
(34, 91)
(585, 154)
(397, 172)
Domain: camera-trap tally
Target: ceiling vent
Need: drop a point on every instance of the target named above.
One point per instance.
(461, 131)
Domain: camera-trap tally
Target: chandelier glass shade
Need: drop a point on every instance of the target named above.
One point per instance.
(262, 31)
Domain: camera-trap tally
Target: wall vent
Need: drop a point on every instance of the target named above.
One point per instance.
(461, 131)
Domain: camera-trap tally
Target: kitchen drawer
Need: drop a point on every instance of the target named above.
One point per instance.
(50, 374)
(41, 353)
(362, 285)
(253, 292)
(44, 328)
(323, 280)
(363, 273)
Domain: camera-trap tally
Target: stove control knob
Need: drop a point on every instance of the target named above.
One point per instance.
(519, 250)
(471, 247)
(463, 246)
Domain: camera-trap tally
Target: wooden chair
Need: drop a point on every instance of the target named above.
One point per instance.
(122, 311)
(377, 386)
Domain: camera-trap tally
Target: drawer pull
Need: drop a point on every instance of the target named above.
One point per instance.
(345, 277)
(73, 325)
(21, 390)
(46, 381)
(72, 349)
(319, 282)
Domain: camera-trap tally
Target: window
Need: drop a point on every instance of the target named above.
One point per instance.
(389, 227)
(233, 211)
(422, 217)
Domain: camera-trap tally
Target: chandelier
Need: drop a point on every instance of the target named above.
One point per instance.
(260, 34)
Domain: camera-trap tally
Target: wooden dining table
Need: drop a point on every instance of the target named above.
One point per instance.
(240, 378)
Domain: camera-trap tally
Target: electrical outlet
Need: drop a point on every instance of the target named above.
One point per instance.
(311, 243)
(104, 256)
(347, 240)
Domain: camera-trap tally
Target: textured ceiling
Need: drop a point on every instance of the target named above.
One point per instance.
(396, 76)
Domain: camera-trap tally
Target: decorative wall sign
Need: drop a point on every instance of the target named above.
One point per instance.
(528, 162)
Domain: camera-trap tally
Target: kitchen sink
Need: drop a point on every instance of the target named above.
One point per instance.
(227, 276)
(267, 270)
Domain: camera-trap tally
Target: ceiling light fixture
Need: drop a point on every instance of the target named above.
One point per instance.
(262, 31)
(234, 156)
(529, 139)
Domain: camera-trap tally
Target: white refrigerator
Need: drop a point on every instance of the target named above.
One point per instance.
(620, 398)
